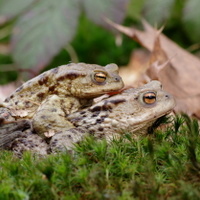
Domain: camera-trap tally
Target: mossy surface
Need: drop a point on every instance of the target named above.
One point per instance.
(164, 165)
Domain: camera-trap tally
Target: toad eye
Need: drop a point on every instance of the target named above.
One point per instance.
(100, 77)
(149, 98)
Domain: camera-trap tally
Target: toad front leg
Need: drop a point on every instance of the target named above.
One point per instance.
(60, 142)
(65, 140)
(51, 115)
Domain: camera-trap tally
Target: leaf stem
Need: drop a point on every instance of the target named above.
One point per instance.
(72, 53)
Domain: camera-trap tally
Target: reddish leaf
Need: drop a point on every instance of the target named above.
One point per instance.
(179, 76)
(6, 90)
(135, 70)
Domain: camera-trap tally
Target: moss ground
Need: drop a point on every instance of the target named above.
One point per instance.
(164, 165)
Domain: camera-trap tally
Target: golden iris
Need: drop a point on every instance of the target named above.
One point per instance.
(149, 98)
(100, 77)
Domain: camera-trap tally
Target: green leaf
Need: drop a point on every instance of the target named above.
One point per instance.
(157, 11)
(11, 8)
(97, 11)
(40, 33)
(191, 16)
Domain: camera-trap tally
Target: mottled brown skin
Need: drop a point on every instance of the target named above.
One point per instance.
(74, 80)
(111, 117)
(128, 111)
(49, 97)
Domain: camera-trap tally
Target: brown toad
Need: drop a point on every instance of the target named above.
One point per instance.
(133, 111)
(61, 91)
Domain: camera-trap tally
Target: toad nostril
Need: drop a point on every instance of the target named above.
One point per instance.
(117, 78)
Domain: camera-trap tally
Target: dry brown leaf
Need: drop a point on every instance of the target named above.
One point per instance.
(136, 68)
(6, 90)
(180, 76)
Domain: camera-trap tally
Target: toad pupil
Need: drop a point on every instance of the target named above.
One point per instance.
(149, 98)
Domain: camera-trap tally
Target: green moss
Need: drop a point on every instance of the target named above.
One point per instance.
(164, 165)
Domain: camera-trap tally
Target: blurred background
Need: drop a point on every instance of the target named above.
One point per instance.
(36, 35)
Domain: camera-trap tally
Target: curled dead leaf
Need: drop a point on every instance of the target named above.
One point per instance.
(133, 73)
(177, 69)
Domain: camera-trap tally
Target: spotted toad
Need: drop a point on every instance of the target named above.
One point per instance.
(133, 111)
(52, 95)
